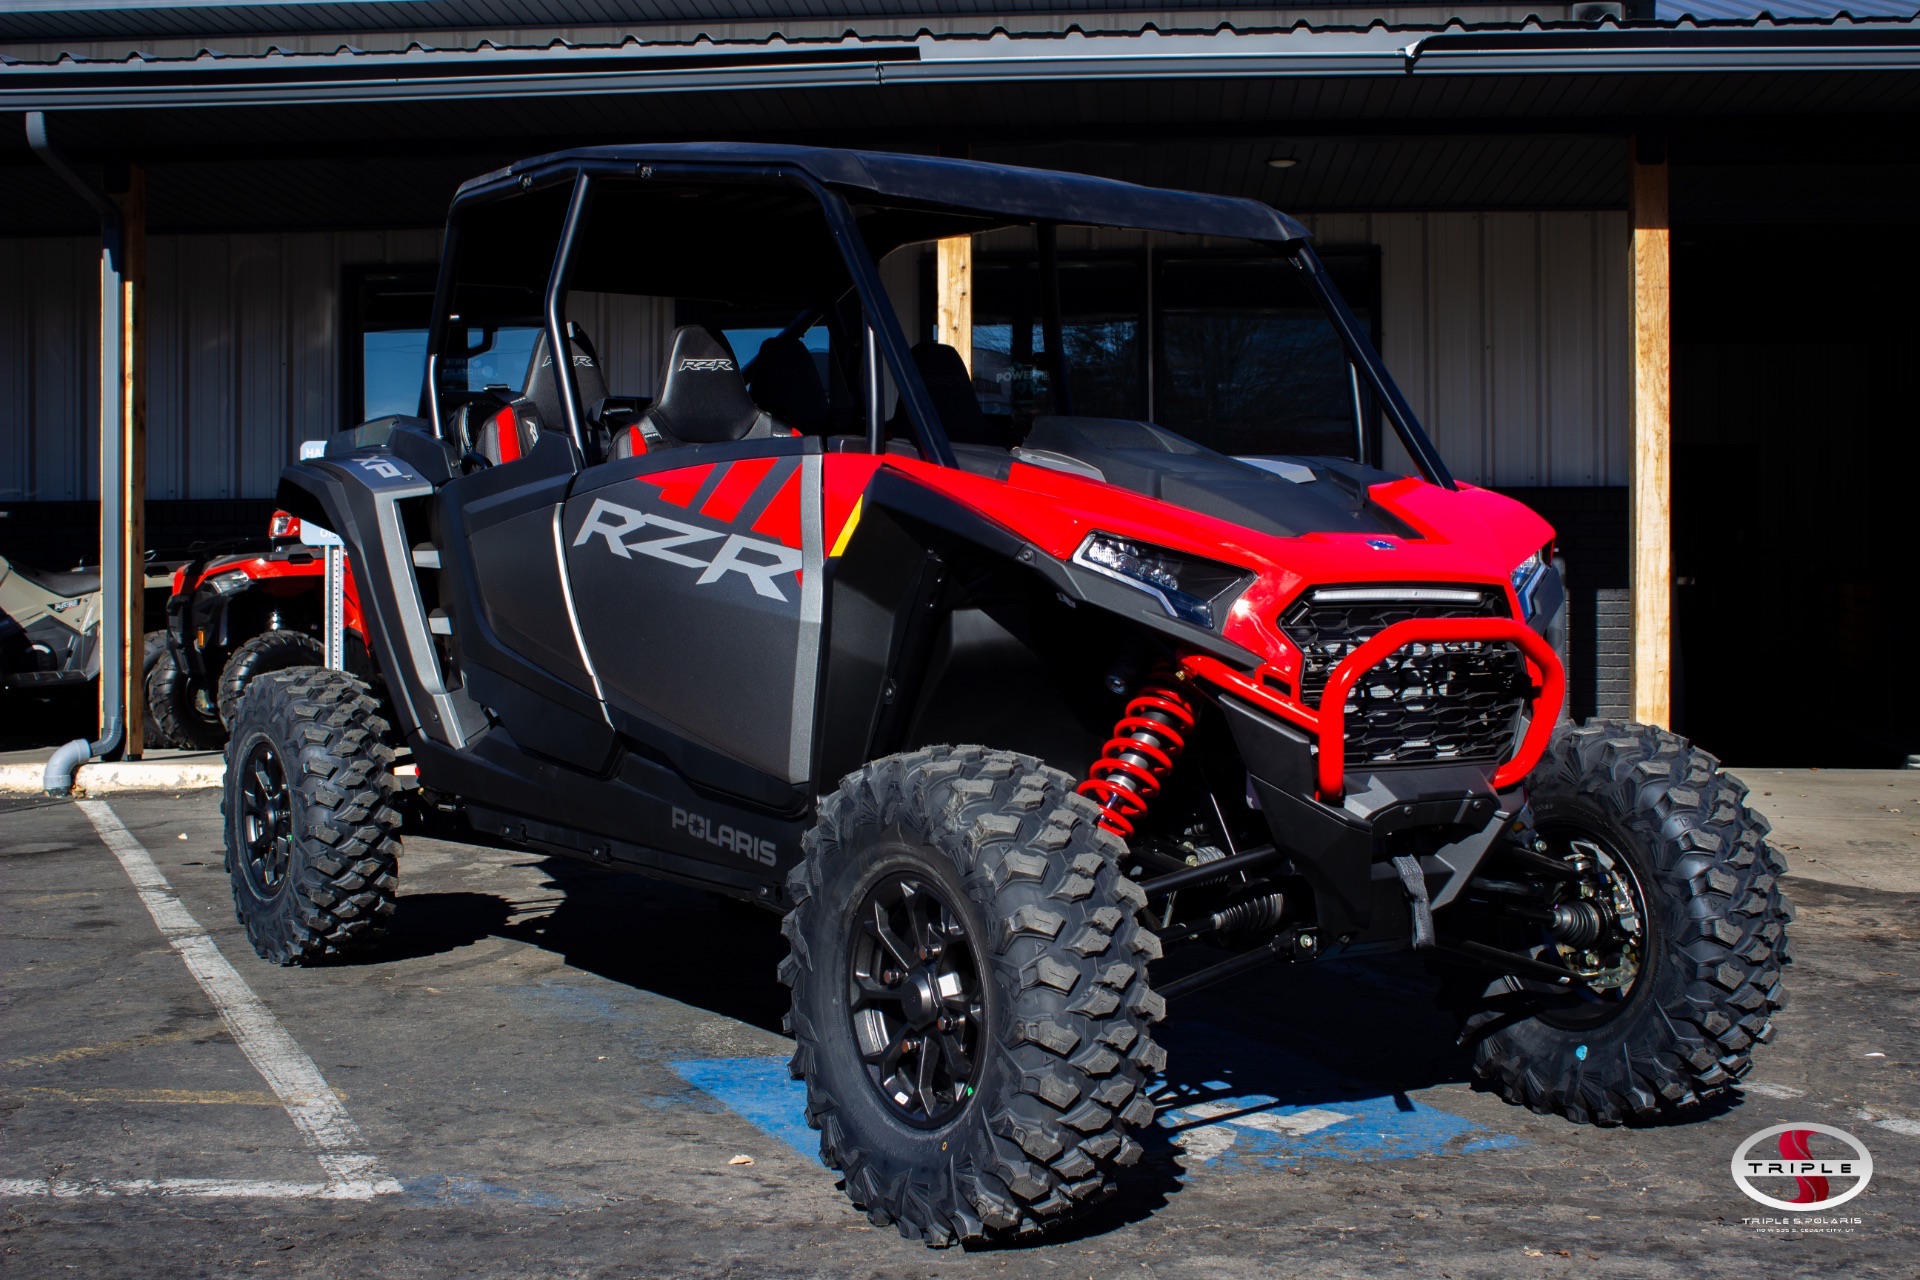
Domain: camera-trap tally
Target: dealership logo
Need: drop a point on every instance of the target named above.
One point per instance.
(1833, 1174)
(761, 562)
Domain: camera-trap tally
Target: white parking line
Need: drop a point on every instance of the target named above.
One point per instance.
(352, 1173)
(1888, 1120)
(204, 1188)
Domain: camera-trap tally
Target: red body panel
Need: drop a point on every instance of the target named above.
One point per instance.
(1469, 536)
(277, 575)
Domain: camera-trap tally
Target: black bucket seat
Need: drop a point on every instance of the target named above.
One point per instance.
(703, 399)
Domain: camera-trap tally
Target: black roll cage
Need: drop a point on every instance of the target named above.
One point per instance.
(883, 326)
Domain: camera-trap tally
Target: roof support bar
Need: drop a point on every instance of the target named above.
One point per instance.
(1050, 322)
(122, 476)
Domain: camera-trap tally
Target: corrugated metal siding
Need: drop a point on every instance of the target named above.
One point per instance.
(49, 368)
(629, 334)
(243, 359)
(1507, 332)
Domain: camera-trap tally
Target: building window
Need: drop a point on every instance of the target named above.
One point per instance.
(1102, 327)
(1226, 348)
(384, 348)
(1248, 363)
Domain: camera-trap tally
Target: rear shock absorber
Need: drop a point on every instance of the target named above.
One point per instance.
(1146, 741)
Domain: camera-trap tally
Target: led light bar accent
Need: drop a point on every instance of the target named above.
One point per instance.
(1369, 595)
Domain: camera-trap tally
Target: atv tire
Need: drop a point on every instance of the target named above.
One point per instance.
(268, 651)
(152, 737)
(181, 707)
(1710, 979)
(1058, 1037)
(310, 815)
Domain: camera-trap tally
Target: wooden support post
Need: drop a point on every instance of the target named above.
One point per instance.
(1651, 497)
(132, 596)
(954, 316)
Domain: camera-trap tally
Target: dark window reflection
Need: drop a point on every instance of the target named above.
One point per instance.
(1248, 363)
(1243, 360)
(1101, 307)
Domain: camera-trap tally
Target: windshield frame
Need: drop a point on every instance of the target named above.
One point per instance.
(886, 338)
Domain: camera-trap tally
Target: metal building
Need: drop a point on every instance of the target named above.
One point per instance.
(1502, 184)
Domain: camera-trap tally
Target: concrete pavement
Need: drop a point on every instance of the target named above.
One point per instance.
(559, 1067)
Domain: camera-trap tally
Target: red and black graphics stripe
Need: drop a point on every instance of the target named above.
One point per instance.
(690, 589)
(737, 520)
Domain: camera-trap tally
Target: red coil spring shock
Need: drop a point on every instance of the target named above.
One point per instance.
(1144, 745)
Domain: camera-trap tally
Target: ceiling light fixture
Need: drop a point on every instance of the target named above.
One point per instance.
(1282, 162)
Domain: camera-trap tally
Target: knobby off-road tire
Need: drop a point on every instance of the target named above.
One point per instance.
(175, 701)
(152, 736)
(268, 651)
(1064, 1051)
(311, 820)
(1711, 979)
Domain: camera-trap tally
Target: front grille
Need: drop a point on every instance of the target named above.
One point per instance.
(1424, 703)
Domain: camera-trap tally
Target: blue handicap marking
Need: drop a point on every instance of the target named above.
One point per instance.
(761, 1091)
(1225, 1097)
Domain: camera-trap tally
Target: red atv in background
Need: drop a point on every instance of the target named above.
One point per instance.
(1027, 716)
(233, 616)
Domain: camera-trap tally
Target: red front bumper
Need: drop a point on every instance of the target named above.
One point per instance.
(1328, 724)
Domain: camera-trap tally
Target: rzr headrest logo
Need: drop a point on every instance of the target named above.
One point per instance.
(616, 524)
(712, 364)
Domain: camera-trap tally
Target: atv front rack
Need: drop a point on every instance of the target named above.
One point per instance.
(1328, 724)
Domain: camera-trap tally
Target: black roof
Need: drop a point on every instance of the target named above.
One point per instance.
(961, 187)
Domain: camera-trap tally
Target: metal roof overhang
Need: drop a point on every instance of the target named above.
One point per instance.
(433, 75)
(1379, 118)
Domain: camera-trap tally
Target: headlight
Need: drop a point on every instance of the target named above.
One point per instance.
(1524, 571)
(1188, 588)
(228, 583)
(1526, 576)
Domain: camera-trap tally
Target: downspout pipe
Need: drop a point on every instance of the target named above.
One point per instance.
(58, 779)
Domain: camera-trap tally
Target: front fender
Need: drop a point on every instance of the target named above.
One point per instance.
(364, 497)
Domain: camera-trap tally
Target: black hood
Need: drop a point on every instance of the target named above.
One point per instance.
(1285, 497)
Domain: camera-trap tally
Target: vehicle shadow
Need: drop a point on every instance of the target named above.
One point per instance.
(1337, 1031)
(682, 943)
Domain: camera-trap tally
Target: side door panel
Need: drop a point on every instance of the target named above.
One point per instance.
(697, 576)
(501, 583)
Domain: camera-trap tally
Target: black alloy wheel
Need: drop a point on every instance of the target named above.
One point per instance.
(971, 1010)
(312, 823)
(915, 998)
(266, 819)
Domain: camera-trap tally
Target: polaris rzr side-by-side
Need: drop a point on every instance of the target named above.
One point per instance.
(998, 694)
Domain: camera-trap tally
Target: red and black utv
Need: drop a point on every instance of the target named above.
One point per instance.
(739, 626)
(235, 614)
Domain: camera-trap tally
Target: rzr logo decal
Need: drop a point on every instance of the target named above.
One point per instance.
(715, 364)
(615, 523)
